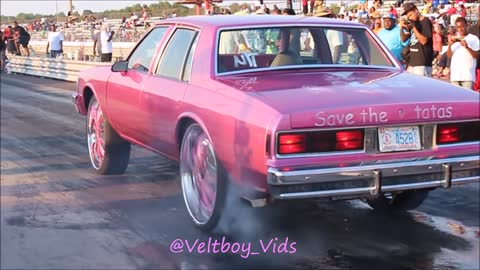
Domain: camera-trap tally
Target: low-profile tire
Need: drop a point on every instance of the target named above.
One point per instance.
(399, 202)
(203, 179)
(109, 153)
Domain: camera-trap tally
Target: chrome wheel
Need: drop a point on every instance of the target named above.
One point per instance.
(198, 173)
(96, 135)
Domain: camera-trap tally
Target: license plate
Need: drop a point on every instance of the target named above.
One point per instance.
(393, 139)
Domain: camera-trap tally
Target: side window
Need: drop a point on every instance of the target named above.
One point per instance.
(188, 63)
(175, 53)
(142, 56)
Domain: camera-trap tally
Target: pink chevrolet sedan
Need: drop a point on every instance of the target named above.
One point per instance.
(280, 107)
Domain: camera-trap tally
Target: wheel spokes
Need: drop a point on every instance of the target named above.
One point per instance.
(198, 169)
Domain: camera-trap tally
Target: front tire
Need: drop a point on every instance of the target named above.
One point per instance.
(399, 202)
(109, 153)
(202, 177)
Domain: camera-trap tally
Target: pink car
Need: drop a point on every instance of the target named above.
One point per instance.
(280, 107)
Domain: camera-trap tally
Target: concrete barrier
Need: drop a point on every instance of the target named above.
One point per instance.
(120, 49)
(55, 68)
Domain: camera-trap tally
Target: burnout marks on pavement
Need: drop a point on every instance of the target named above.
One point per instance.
(449, 257)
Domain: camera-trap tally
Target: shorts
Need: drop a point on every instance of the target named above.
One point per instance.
(23, 40)
(106, 57)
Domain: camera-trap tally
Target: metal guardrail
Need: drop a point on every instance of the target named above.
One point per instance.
(61, 69)
(70, 48)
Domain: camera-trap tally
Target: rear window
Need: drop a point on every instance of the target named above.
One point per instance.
(263, 48)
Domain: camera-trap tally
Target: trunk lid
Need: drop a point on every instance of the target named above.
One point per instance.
(333, 98)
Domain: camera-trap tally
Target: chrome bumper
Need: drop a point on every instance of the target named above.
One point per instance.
(372, 180)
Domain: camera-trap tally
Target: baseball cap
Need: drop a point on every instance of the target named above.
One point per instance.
(389, 16)
(408, 7)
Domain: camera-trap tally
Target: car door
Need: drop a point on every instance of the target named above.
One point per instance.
(162, 94)
(124, 88)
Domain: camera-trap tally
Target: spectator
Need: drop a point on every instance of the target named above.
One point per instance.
(437, 40)
(8, 36)
(374, 14)
(390, 35)
(97, 43)
(393, 11)
(377, 26)
(70, 18)
(106, 37)
(3, 48)
(288, 11)
(362, 13)
(464, 52)
(305, 7)
(145, 13)
(55, 42)
(444, 62)
(418, 30)
(133, 19)
(334, 37)
(474, 30)
(462, 10)
(21, 38)
(276, 10)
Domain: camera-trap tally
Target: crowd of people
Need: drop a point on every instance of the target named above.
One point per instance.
(437, 36)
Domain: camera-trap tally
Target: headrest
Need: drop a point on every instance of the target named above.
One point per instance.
(286, 58)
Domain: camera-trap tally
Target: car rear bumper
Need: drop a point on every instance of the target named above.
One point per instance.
(360, 181)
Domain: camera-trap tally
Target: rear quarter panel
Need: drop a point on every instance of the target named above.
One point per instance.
(236, 121)
(238, 126)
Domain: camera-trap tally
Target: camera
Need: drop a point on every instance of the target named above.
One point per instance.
(457, 39)
(406, 21)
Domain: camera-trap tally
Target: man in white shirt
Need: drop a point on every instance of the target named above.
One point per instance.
(106, 36)
(55, 42)
(334, 37)
(464, 51)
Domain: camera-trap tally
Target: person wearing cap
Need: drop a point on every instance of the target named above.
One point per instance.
(334, 37)
(463, 50)
(390, 35)
(417, 29)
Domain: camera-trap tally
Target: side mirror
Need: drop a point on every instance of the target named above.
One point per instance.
(120, 66)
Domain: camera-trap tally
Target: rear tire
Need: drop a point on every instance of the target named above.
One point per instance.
(399, 202)
(203, 179)
(109, 153)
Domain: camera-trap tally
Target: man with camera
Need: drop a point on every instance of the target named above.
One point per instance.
(417, 29)
(463, 50)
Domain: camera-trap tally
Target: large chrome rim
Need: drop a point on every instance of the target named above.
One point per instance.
(198, 172)
(96, 135)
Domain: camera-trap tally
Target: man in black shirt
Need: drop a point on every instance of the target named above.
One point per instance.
(22, 37)
(418, 29)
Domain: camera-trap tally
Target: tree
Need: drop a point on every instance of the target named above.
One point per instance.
(87, 12)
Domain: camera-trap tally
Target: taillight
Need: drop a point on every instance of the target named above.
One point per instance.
(292, 143)
(320, 141)
(349, 140)
(448, 134)
(458, 132)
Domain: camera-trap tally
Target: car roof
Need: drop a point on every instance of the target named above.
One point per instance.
(252, 20)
